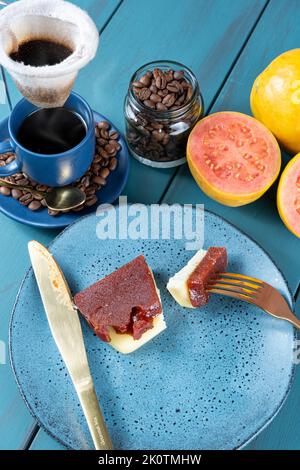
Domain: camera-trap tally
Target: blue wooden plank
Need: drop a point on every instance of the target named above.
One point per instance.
(276, 32)
(16, 424)
(44, 441)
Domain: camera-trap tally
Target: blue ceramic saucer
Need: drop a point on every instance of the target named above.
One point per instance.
(212, 380)
(108, 194)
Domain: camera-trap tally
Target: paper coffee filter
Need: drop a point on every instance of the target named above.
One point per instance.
(56, 20)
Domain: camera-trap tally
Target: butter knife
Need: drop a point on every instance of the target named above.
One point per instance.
(66, 330)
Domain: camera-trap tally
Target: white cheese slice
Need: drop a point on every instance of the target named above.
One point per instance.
(125, 344)
(177, 285)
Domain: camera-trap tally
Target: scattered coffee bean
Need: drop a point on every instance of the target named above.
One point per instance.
(104, 172)
(103, 125)
(4, 191)
(34, 205)
(104, 162)
(99, 180)
(113, 164)
(16, 193)
(91, 201)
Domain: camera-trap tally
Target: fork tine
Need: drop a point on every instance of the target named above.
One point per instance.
(242, 276)
(237, 282)
(232, 288)
(235, 295)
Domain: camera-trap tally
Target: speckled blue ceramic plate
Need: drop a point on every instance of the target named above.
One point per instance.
(108, 194)
(212, 380)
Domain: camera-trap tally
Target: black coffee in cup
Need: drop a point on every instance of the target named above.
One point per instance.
(40, 52)
(51, 130)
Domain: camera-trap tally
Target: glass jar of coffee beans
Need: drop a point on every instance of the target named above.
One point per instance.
(162, 106)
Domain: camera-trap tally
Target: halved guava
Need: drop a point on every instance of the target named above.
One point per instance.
(233, 157)
(288, 196)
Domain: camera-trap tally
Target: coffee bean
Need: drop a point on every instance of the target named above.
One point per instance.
(153, 89)
(4, 191)
(169, 75)
(98, 158)
(10, 159)
(110, 149)
(144, 94)
(104, 154)
(53, 213)
(156, 73)
(34, 205)
(104, 134)
(104, 173)
(145, 80)
(85, 181)
(99, 180)
(157, 135)
(101, 142)
(161, 82)
(155, 98)
(113, 164)
(169, 100)
(42, 187)
(96, 168)
(163, 93)
(91, 201)
(157, 125)
(23, 182)
(38, 197)
(103, 125)
(174, 86)
(16, 193)
(114, 135)
(26, 199)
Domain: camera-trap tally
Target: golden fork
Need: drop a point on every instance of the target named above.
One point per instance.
(255, 292)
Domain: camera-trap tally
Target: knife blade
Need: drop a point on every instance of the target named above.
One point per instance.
(66, 330)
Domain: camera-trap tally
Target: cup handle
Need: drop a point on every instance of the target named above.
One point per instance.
(12, 167)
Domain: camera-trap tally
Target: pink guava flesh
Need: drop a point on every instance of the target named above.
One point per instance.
(234, 152)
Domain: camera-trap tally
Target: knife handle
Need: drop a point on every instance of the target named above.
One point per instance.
(94, 418)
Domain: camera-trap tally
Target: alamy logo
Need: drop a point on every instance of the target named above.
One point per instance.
(154, 222)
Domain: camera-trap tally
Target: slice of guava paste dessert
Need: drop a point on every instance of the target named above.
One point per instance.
(124, 308)
(188, 286)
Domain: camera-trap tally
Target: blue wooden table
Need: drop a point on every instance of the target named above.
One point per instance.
(226, 43)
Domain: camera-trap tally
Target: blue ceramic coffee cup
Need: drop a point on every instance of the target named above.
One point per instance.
(58, 169)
